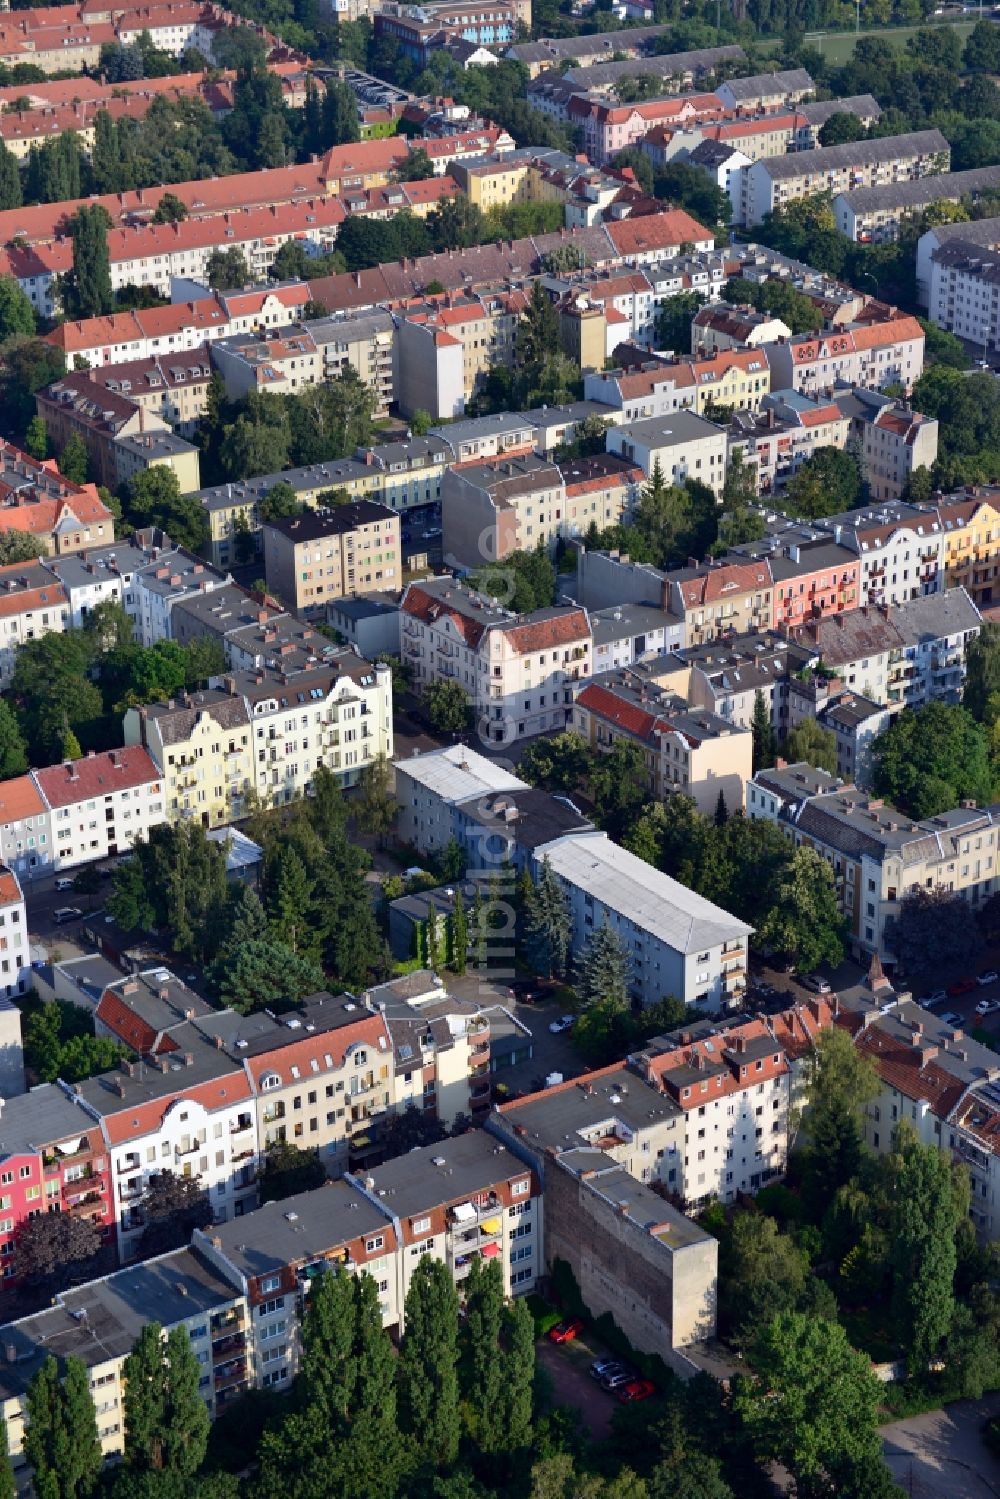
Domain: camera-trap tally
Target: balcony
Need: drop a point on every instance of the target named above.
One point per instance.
(227, 1346)
(274, 1113)
(241, 1126)
(180, 1151)
(229, 1376)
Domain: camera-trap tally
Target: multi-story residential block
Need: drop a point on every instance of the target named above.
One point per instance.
(628, 635)
(101, 805)
(720, 326)
(901, 548)
(446, 346)
(875, 215)
(32, 603)
(686, 750)
(172, 388)
(365, 343)
(25, 828)
(493, 508)
(440, 1045)
(430, 788)
(907, 654)
(878, 854)
(970, 525)
(721, 598)
(777, 180)
(725, 676)
(348, 549)
(855, 722)
(203, 748)
(962, 295)
(766, 91)
(424, 29)
(35, 497)
(178, 1290)
(653, 386)
(634, 43)
(517, 671)
(279, 362)
(101, 573)
(869, 355)
(77, 405)
(784, 433)
(676, 941)
(15, 957)
(680, 447)
(481, 437)
(894, 441)
(170, 576)
(813, 575)
(52, 1159)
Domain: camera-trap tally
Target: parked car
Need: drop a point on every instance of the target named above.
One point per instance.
(64, 883)
(564, 1023)
(814, 982)
(639, 1389)
(989, 977)
(617, 1379)
(937, 997)
(66, 913)
(565, 1332)
(950, 1018)
(987, 1006)
(601, 1367)
(961, 986)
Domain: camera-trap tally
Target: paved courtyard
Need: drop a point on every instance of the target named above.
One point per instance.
(942, 1455)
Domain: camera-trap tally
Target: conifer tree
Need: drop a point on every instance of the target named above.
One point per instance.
(459, 935)
(10, 179)
(482, 1367)
(518, 1375)
(477, 926)
(763, 733)
(603, 970)
(428, 1374)
(547, 924)
(8, 1486)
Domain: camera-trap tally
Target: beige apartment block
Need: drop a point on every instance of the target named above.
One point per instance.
(325, 554)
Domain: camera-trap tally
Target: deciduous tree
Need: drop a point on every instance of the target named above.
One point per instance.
(810, 743)
(428, 1364)
(172, 1208)
(289, 1170)
(60, 1440)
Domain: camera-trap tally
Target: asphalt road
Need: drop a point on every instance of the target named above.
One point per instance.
(942, 1455)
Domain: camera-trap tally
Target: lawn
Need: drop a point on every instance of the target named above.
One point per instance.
(838, 46)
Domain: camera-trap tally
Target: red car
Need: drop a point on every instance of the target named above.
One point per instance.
(961, 986)
(565, 1332)
(638, 1389)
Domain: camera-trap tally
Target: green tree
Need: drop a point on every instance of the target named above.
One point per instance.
(261, 974)
(673, 324)
(482, 1367)
(51, 1243)
(518, 1368)
(827, 483)
(537, 336)
(557, 762)
(428, 1364)
(839, 1084)
(376, 806)
(448, 707)
(155, 499)
(661, 517)
(8, 1483)
(10, 179)
(227, 269)
(60, 1440)
(459, 934)
(739, 523)
(925, 1215)
(290, 901)
(166, 1420)
(841, 128)
(16, 312)
(523, 581)
(288, 1171)
(982, 673)
(328, 1357)
(810, 744)
(813, 1401)
(36, 438)
(172, 1208)
(931, 759)
(374, 1465)
(170, 210)
(763, 733)
(547, 924)
(761, 1273)
(603, 970)
(806, 921)
(73, 461)
(13, 750)
(89, 292)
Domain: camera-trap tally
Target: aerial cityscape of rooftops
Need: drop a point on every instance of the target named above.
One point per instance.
(499, 749)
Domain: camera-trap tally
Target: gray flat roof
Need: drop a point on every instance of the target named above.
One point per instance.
(671, 431)
(470, 1163)
(42, 1116)
(572, 1115)
(504, 422)
(621, 620)
(457, 772)
(853, 153)
(640, 1204)
(538, 817)
(168, 1290)
(302, 1227)
(923, 190)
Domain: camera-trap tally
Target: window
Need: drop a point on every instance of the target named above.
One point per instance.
(270, 1283)
(371, 1245)
(521, 1188)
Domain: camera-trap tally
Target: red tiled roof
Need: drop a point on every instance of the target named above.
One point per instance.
(133, 1120)
(10, 890)
(19, 798)
(368, 1031)
(911, 1069)
(430, 608)
(541, 634)
(124, 1023)
(724, 581)
(96, 775)
(656, 232)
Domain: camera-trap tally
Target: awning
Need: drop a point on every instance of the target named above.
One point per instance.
(490, 1251)
(464, 1212)
(491, 1226)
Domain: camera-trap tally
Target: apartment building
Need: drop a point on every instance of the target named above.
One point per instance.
(721, 598)
(366, 343)
(422, 30)
(101, 805)
(173, 389)
(777, 439)
(722, 326)
(878, 854)
(632, 635)
(653, 386)
(106, 420)
(766, 90)
(875, 215)
(517, 671)
(349, 549)
(431, 787)
(482, 437)
(441, 1047)
(871, 355)
(894, 441)
(491, 509)
(725, 676)
(280, 363)
(108, 572)
(901, 548)
(777, 180)
(682, 446)
(855, 722)
(176, 1290)
(446, 347)
(35, 497)
(686, 750)
(25, 828)
(169, 576)
(970, 526)
(202, 746)
(32, 603)
(677, 942)
(962, 293)
(52, 1159)
(814, 578)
